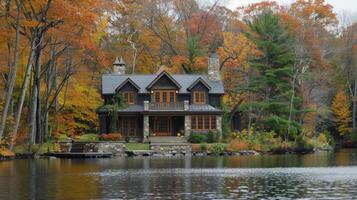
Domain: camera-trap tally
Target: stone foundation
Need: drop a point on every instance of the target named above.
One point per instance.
(168, 150)
(117, 148)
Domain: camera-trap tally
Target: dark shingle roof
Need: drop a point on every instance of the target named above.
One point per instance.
(111, 81)
(202, 107)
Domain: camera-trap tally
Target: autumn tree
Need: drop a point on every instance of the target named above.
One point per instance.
(341, 109)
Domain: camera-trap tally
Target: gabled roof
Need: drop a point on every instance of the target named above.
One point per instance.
(128, 80)
(163, 73)
(111, 81)
(199, 80)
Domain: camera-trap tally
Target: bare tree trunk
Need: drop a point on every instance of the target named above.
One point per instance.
(291, 106)
(134, 50)
(23, 92)
(49, 87)
(33, 123)
(13, 72)
(354, 108)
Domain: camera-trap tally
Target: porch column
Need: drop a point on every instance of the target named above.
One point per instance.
(187, 125)
(146, 127)
(219, 125)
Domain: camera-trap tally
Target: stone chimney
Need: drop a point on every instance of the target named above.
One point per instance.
(213, 67)
(119, 66)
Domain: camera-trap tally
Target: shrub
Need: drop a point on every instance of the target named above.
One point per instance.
(111, 137)
(89, 137)
(4, 152)
(203, 147)
(197, 138)
(237, 145)
(212, 137)
(218, 148)
(62, 137)
(303, 143)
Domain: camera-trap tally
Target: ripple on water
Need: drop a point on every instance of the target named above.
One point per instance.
(229, 183)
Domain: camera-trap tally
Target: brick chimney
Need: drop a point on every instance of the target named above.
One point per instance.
(119, 66)
(213, 67)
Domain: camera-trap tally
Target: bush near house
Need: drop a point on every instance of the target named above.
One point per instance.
(210, 137)
(197, 138)
(111, 137)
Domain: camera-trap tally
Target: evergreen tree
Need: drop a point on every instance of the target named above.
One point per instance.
(271, 74)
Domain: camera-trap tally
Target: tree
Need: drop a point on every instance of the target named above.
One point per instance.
(271, 76)
(341, 109)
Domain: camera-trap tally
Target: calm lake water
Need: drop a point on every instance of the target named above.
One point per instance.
(313, 176)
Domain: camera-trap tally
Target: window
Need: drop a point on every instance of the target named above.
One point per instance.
(128, 97)
(203, 122)
(160, 96)
(199, 97)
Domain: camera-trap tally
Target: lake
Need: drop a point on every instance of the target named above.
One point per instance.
(325, 175)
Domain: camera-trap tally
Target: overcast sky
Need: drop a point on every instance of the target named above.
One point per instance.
(341, 7)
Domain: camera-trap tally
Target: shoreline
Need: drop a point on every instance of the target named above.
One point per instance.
(150, 153)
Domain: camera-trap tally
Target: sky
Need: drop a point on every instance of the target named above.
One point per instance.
(346, 9)
(339, 5)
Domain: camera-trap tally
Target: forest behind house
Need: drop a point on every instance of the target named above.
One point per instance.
(290, 72)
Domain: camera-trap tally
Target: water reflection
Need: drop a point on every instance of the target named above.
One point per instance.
(314, 176)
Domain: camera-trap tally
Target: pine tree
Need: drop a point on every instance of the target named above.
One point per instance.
(270, 80)
(341, 109)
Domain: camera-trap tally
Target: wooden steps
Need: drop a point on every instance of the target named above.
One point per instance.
(78, 147)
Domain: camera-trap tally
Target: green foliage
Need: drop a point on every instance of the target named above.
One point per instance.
(273, 70)
(197, 138)
(203, 146)
(62, 137)
(193, 48)
(218, 148)
(89, 137)
(112, 109)
(37, 148)
(212, 137)
(137, 146)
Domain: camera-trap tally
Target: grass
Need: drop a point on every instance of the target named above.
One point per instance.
(38, 148)
(88, 138)
(137, 146)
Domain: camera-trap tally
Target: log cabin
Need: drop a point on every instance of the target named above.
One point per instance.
(162, 104)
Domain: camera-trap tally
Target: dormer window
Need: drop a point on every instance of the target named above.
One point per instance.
(199, 97)
(128, 97)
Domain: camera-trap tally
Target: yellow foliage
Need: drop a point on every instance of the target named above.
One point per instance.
(80, 102)
(4, 152)
(340, 107)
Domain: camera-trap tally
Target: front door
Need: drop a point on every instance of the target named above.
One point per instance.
(161, 126)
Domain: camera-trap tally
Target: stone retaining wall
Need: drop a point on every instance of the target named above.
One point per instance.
(117, 148)
(171, 149)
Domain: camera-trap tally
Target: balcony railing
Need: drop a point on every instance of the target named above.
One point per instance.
(166, 105)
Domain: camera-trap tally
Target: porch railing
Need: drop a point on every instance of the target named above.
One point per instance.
(166, 105)
(131, 132)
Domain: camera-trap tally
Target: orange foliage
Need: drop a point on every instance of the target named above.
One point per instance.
(111, 137)
(237, 145)
(4, 152)
(341, 109)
